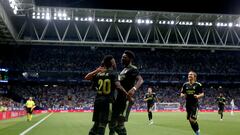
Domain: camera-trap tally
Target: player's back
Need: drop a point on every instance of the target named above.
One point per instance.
(105, 82)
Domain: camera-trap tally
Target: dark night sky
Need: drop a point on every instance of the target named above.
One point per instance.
(195, 6)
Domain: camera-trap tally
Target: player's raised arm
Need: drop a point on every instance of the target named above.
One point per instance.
(90, 75)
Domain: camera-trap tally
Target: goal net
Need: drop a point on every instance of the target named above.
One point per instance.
(167, 106)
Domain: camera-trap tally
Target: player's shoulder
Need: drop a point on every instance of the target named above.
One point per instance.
(198, 83)
(186, 83)
(133, 67)
(111, 72)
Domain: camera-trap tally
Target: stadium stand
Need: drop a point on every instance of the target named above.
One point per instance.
(61, 70)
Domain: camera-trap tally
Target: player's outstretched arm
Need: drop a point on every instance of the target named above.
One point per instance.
(90, 75)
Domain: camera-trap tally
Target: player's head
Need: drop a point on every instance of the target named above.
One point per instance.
(149, 89)
(127, 57)
(30, 98)
(109, 61)
(220, 94)
(102, 64)
(192, 76)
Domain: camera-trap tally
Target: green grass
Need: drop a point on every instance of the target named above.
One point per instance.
(164, 124)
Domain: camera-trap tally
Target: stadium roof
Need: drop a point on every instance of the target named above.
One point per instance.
(196, 6)
(27, 23)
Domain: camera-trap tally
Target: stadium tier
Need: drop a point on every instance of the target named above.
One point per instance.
(53, 75)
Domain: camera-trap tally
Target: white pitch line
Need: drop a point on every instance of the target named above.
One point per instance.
(27, 130)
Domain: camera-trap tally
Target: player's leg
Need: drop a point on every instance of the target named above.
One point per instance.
(30, 114)
(101, 128)
(94, 129)
(148, 110)
(105, 117)
(120, 128)
(192, 117)
(117, 109)
(28, 117)
(95, 119)
(111, 119)
(112, 125)
(222, 112)
(123, 117)
(150, 107)
(219, 112)
(194, 125)
(232, 108)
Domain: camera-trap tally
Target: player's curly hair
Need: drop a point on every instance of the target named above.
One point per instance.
(107, 61)
(130, 54)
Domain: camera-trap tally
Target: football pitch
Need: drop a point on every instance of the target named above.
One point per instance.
(80, 123)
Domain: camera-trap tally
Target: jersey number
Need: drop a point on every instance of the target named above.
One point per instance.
(104, 86)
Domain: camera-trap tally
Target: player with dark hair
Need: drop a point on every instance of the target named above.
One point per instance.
(192, 91)
(221, 103)
(131, 80)
(150, 98)
(30, 105)
(106, 79)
